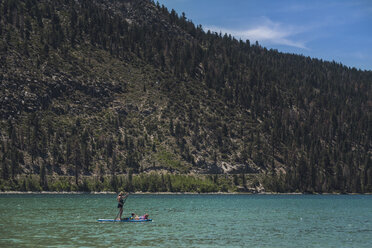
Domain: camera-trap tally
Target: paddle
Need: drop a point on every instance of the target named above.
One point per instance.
(126, 197)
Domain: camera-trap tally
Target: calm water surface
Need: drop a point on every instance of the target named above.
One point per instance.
(187, 221)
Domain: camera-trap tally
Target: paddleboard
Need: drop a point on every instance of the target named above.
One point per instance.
(123, 220)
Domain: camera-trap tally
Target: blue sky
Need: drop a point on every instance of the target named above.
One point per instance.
(339, 30)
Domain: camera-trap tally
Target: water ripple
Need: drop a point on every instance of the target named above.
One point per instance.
(187, 221)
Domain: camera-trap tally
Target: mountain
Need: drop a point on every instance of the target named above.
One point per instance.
(97, 88)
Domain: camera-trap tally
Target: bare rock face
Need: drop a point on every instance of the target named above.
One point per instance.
(235, 168)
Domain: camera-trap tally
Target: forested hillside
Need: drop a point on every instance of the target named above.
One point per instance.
(111, 90)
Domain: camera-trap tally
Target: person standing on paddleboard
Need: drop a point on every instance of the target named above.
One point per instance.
(120, 199)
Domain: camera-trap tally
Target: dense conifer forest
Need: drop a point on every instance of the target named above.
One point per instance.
(126, 94)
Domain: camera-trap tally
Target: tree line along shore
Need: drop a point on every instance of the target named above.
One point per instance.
(151, 182)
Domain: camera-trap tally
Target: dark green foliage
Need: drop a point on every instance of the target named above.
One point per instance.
(43, 179)
(132, 183)
(4, 168)
(91, 93)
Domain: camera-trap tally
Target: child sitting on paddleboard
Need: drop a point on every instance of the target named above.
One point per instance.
(143, 217)
(132, 216)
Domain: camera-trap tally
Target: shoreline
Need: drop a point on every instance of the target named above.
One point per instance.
(164, 193)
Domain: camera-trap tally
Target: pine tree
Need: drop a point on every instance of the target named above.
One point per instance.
(77, 161)
(171, 127)
(4, 168)
(14, 162)
(244, 180)
(43, 178)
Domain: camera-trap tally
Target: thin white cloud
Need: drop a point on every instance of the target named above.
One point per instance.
(269, 33)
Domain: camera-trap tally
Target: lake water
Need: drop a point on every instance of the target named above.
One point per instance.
(187, 221)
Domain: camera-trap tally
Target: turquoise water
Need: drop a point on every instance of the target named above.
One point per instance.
(187, 221)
